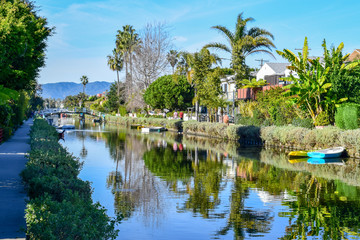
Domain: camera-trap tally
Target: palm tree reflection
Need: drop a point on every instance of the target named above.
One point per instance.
(133, 186)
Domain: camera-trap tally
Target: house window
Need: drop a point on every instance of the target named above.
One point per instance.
(225, 88)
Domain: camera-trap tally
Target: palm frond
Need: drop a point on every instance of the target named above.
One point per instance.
(226, 32)
(218, 46)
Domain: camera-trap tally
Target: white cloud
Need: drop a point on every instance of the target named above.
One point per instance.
(180, 39)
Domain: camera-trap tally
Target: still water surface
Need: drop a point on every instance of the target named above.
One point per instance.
(169, 186)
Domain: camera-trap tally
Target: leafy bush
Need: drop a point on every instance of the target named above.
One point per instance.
(257, 119)
(165, 92)
(60, 204)
(69, 219)
(322, 119)
(302, 122)
(347, 116)
(122, 111)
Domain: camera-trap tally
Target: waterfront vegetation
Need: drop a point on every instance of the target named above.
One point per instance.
(289, 136)
(23, 36)
(324, 91)
(60, 204)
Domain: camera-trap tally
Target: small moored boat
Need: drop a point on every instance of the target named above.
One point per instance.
(327, 153)
(136, 126)
(153, 129)
(67, 126)
(298, 154)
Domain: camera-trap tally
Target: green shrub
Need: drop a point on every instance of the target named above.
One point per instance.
(302, 122)
(350, 115)
(122, 111)
(339, 118)
(322, 119)
(60, 204)
(68, 219)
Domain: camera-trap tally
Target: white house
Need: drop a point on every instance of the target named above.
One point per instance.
(270, 69)
(228, 86)
(272, 72)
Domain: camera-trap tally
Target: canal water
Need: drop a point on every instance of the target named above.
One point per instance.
(170, 186)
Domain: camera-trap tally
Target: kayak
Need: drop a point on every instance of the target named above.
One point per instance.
(327, 153)
(298, 154)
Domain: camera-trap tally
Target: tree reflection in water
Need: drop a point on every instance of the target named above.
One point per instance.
(146, 169)
(133, 186)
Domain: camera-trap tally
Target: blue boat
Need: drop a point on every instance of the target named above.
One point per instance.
(327, 153)
(336, 161)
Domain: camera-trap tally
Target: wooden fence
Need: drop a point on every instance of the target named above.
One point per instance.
(249, 93)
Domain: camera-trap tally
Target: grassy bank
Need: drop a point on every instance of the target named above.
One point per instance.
(284, 136)
(60, 205)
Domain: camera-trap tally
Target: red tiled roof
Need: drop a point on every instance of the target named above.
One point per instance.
(355, 55)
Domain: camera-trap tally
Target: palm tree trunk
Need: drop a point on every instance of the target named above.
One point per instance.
(196, 105)
(126, 75)
(131, 71)
(118, 89)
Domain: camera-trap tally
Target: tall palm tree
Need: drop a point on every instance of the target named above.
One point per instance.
(173, 58)
(84, 80)
(243, 42)
(185, 65)
(116, 62)
(127, 41)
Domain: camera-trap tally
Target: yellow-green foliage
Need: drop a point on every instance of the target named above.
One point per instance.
(247, 108)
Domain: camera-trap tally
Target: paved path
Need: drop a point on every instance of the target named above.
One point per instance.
(12, 194)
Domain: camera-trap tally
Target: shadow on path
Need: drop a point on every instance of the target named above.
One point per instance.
(12, 194)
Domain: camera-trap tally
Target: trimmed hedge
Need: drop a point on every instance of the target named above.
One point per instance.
(156, 122)
(220, 130)
(60, 205)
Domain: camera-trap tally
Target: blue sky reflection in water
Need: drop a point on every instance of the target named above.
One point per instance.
(194, 194)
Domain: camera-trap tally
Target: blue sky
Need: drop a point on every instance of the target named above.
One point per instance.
(86, 29)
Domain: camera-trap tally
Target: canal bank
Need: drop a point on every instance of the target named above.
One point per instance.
(12, 194)
(289, 136)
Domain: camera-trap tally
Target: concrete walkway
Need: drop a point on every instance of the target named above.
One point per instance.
(12, 194)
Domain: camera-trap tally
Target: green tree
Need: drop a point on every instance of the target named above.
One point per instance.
(127, 41)
(23, 36)
(166, 93)
(84, 80)
(206, 81)
(243, 42)
(116, 63)
(185, 66)
(173, 58)
(114, 101)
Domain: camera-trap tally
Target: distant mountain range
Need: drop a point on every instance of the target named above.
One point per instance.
(63, 89)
